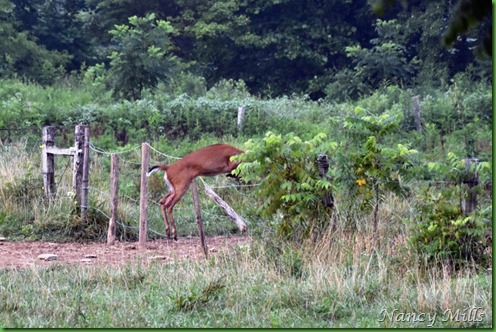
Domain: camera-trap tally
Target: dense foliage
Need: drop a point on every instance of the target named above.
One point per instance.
(292, 187)
(276, 47)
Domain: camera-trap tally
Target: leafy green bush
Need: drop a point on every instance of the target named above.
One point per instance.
(92, 228)
(445, 235)
(448, 231)
(292, 190)
(373, 166)
(9, 225)
(23, 190)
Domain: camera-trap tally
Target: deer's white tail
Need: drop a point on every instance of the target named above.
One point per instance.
(153, 170)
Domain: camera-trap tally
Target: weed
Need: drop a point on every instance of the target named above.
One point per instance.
(199, 297)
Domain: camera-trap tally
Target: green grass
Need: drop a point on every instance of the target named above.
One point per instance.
(243, 289)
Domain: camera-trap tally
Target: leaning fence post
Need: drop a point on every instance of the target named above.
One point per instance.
(145, 162)
(234, 216)
(114, 194)
(199, 222)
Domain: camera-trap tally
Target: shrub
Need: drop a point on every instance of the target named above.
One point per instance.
(373, 167)
(292, 189)
(445, 235)
(447, 231)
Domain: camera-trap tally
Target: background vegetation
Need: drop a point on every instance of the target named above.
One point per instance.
(315, 77)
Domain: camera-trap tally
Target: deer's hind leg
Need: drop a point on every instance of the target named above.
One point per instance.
(163, 207)
(171, 201)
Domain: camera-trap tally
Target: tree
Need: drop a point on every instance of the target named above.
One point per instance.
(276, 47)
(374, 166)
(21, 55)
(98, 17)
(142, 56)
(385, 61)
(56, 25)
(467, 15)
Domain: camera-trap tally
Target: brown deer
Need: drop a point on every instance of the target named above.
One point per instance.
(208, 161)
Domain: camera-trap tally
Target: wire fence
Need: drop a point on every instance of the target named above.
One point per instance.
(132, 156)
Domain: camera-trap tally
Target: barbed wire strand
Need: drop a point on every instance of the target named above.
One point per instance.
(102, 151)
(63, 172)
(124, 225)
(234, 186)
(163, 154)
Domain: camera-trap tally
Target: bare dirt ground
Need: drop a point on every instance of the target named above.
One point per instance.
(25, 254)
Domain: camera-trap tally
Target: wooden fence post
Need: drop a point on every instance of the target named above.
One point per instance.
(85, 175)
(114, 194)
(469, 201)
(199, 222)
(323, 166)
(145, 162)
(416, 113)
(80, 171)
(77, 170)
(241, 117)
(48, 162)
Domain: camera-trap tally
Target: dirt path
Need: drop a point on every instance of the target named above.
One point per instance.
(25, 254)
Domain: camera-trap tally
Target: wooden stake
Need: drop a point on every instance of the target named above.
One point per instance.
(77, 170)
(145, 162)
(199, 222)
(48, 162)
(416, 113)
(85, 175)
(323, 166)
(241, 117)
(114, 194)
(469, 201)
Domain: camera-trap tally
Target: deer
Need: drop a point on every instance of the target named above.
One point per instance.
(211, 160)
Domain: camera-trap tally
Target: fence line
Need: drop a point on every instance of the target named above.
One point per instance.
(135, 201)
(99, 150)
(161, 153)
(124, 225)
(233, 186)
